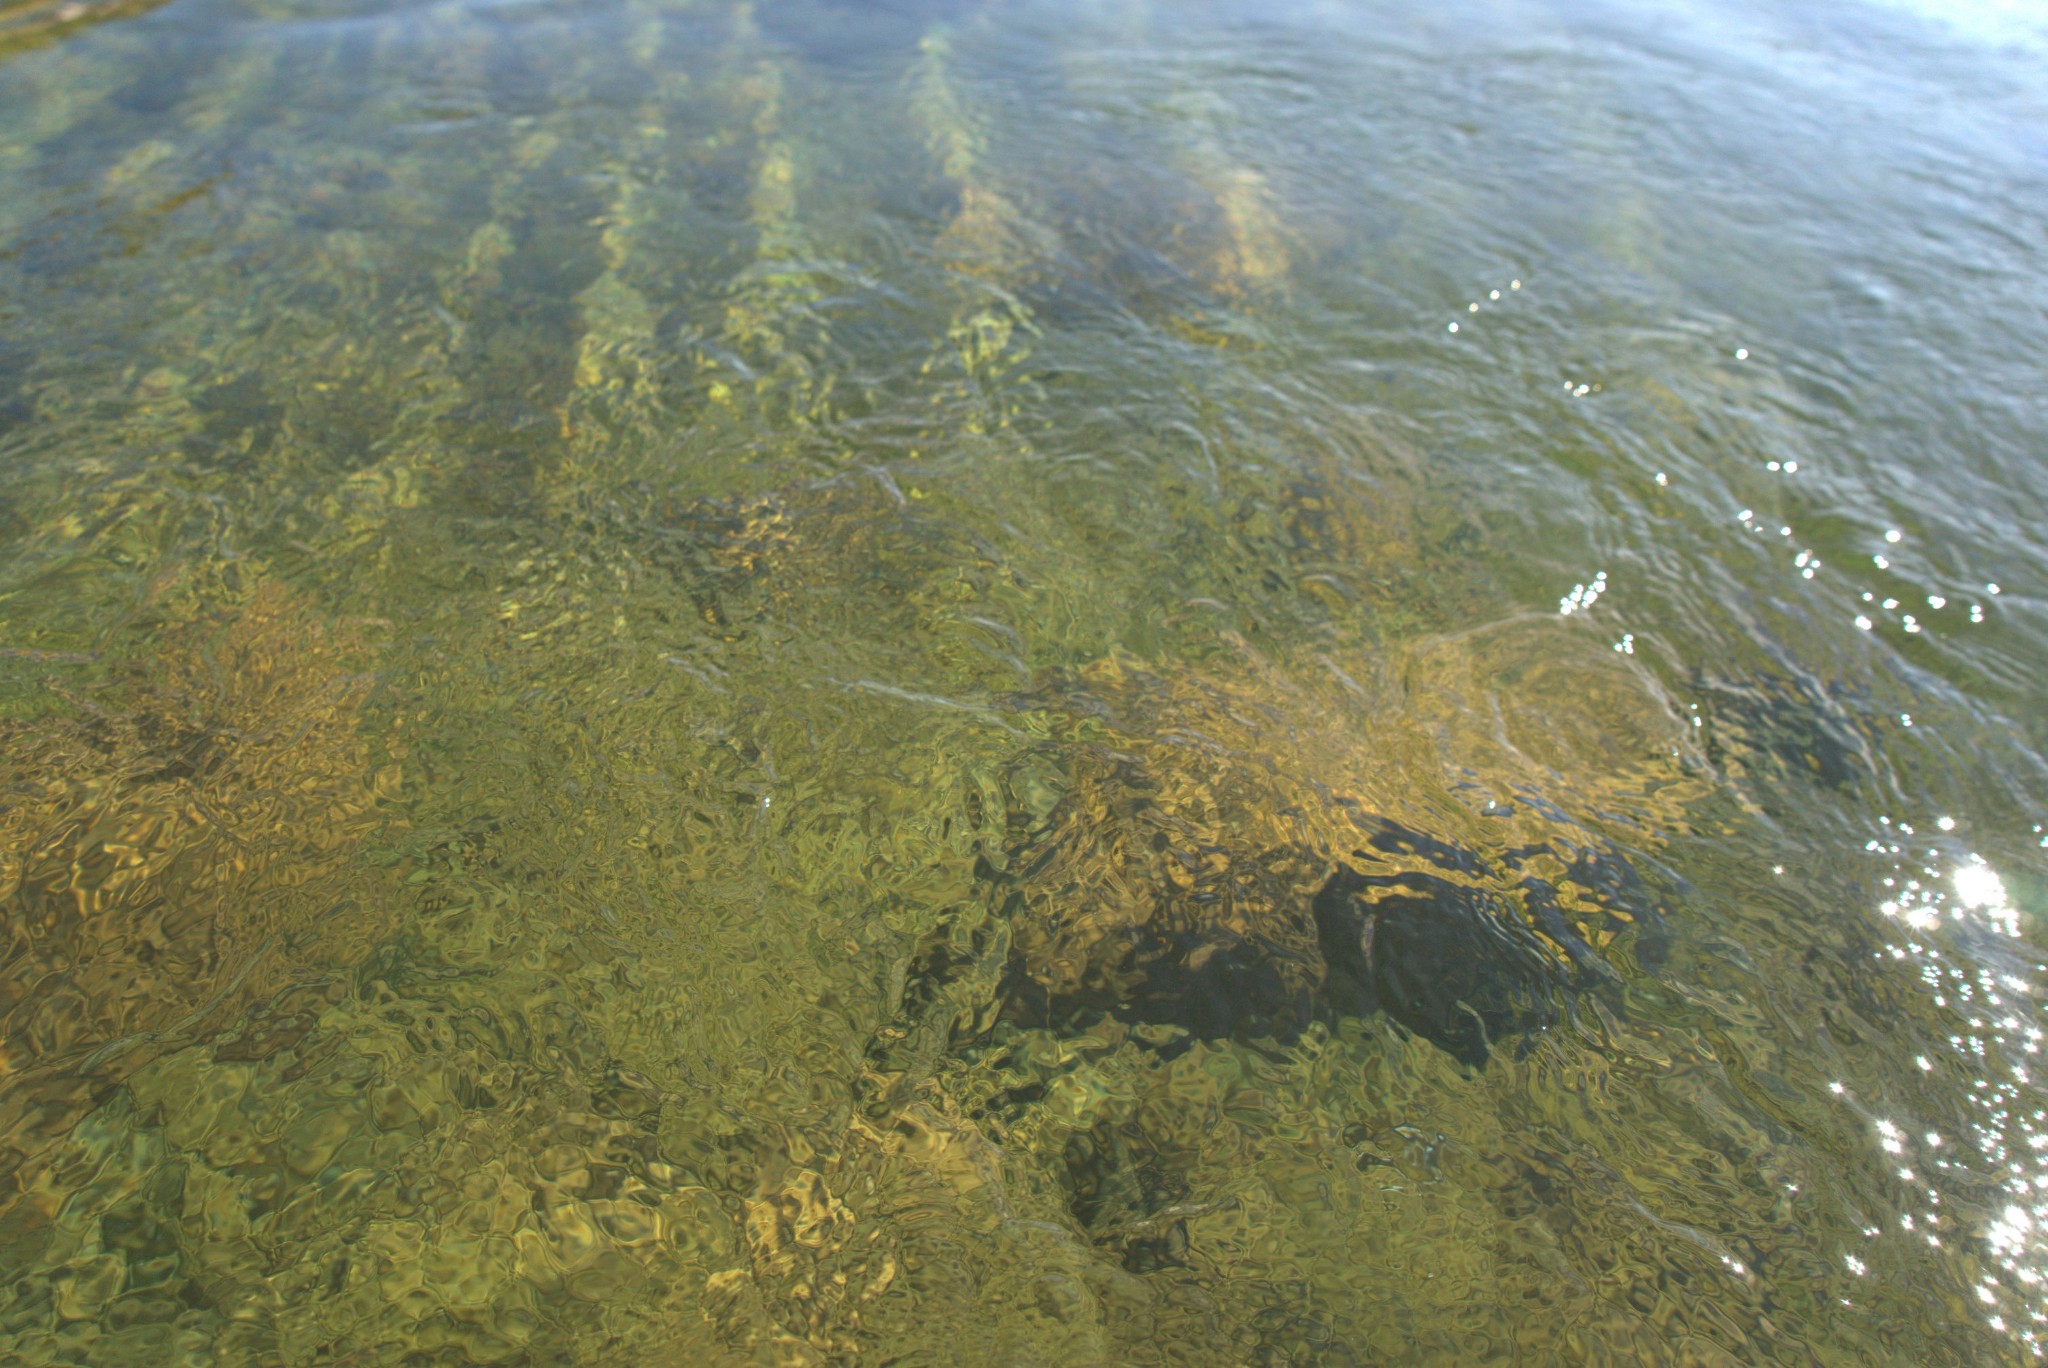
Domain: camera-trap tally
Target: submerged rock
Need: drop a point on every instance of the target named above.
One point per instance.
(1196, 865)
(1465, 953)
(1192, 862)
(1768, 726)
(1464, 966)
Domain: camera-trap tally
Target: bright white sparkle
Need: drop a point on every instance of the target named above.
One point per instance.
(1978, 885)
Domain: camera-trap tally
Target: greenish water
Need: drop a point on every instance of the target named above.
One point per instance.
(1023, 683)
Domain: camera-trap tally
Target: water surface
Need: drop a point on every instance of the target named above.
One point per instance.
(676, 680)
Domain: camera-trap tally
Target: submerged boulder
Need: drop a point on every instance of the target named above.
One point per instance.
(1198, 862)
(1465, 952)
(1465, 966)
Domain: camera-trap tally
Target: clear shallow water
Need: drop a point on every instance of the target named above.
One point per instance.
(676, 681)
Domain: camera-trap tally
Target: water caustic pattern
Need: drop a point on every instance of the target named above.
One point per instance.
(1070, 682)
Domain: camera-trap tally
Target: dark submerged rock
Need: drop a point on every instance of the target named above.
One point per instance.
(1784, 725)
(1180, 862)
(1466, 952)
(1429, 953)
